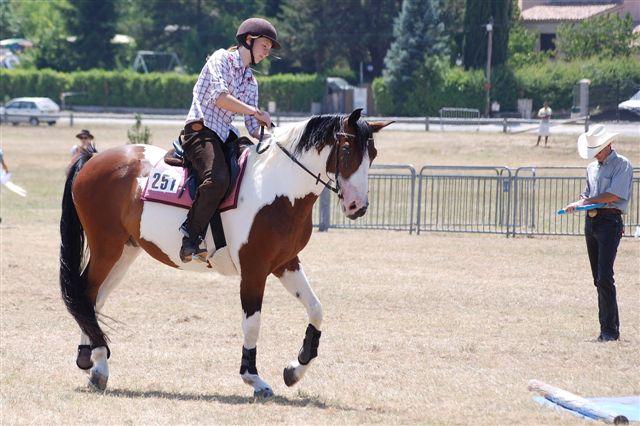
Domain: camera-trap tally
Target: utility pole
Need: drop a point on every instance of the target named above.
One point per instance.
(487, 84)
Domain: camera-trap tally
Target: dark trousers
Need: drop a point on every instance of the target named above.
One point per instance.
(603, 234)
(204, 154)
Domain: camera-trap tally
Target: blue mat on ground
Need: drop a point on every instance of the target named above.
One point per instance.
(628, 406)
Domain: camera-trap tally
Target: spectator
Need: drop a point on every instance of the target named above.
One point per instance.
(545, 114)
(86, 140)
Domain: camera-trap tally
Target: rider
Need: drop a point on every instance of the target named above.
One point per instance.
(226, 87)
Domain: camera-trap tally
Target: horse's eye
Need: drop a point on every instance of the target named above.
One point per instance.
(346, 150)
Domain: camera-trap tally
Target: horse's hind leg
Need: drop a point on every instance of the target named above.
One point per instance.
(105, 271)
(293, 278)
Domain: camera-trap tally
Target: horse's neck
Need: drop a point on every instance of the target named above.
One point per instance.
(291, 178)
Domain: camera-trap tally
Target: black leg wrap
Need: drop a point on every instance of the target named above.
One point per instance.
(83, 360)
(310, 345)
(248, 364)
(108, 350)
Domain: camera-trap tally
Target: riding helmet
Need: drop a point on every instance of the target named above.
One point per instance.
(257, 27)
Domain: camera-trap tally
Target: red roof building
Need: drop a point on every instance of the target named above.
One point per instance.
(544, 16)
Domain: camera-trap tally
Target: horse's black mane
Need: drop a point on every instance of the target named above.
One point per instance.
(321, 129)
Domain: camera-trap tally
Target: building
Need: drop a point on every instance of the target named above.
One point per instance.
(544, 16)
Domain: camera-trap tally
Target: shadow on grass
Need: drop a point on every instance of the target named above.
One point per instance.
(302, 401)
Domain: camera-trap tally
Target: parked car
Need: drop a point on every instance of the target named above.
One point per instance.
(632, 104)
(30, 110)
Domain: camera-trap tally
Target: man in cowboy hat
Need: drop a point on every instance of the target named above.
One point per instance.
(609, 181)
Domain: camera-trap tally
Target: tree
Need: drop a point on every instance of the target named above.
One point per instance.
(522, 47)
(43, 24)
(452, 16)
(9, 20)
(418, 36)
(191, 28)
(376, 30)
(93, 24)
(477, 15)
(605, 36)
(308, 45)
(319, 35)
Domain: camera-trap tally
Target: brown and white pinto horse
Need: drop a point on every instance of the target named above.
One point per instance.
(265, 232)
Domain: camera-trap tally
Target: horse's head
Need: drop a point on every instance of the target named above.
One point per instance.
(352, 154)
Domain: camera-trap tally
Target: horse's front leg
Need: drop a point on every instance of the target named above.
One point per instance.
(251, 293)
(293, 278)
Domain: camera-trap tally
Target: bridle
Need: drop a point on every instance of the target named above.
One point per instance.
(335, 189)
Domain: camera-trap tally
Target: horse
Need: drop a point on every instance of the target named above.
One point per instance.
(105, 224)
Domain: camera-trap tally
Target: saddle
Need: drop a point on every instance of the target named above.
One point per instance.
(171, 182)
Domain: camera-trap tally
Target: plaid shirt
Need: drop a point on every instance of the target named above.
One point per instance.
(224, 73)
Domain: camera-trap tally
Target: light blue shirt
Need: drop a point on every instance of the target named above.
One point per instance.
(615, 176)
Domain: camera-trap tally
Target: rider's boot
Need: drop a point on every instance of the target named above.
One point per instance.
(191, 247)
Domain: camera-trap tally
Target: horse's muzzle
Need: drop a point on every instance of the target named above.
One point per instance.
(361, 212)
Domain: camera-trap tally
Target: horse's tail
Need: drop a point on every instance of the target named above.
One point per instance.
(73, 282)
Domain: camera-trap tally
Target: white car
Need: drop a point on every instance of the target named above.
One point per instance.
(30, 110)
(632, 104)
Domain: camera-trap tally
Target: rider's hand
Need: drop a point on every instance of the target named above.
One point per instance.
(263, 118)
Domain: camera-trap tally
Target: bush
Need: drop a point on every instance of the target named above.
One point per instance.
(292, 92)
(139, 134)
(436, 86)
(154, 90)
(555, 81)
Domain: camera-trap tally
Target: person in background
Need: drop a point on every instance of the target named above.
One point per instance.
(609, 181)
(86, 139)
(544, 130)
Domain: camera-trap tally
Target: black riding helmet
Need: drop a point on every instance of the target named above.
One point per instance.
(256, 27)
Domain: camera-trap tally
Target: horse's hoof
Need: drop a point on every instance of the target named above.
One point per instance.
(289, 375)
(263, 393)
(98, 381)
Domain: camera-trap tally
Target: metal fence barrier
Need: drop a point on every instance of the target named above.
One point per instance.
(460, 115)
(391, 202)
(540, 191)
(464, 199)
(494, 200)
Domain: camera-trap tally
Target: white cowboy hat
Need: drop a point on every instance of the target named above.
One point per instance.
(594, 141)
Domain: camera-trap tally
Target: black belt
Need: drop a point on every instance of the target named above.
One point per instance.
(596, 212)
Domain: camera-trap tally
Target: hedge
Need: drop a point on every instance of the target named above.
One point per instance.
(153, 90)
(612, 80)
(555, 81)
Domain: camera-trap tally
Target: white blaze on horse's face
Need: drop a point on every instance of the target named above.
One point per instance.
(354, 190)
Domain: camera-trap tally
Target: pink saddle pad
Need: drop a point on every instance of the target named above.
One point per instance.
(167, 185)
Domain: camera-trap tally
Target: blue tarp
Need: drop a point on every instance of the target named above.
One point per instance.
(628, 406)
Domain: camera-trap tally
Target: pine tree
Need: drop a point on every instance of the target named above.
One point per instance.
(477, 15)
(418, 35)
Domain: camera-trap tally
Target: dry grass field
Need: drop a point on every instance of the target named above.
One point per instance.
(428, 329)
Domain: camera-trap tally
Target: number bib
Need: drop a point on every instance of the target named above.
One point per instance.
(166, 184)
(164, 180)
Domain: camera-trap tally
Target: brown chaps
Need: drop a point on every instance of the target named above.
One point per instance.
(204, 154)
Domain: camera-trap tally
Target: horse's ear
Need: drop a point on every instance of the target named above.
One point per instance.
(376, 126)
(354, 117)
